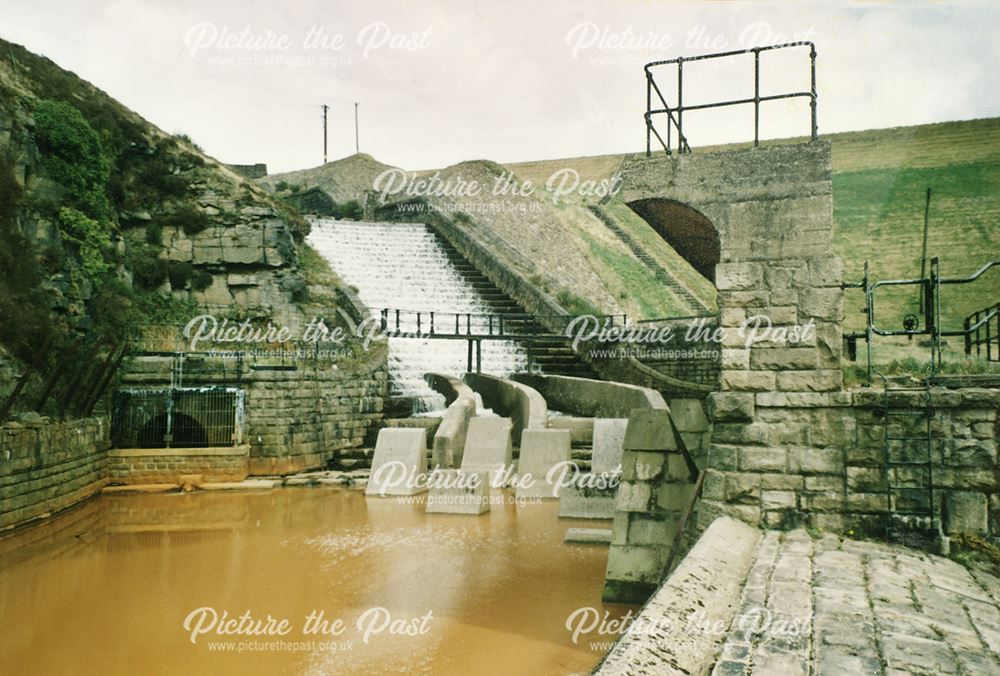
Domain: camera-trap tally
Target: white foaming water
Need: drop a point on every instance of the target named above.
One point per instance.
(403, 266)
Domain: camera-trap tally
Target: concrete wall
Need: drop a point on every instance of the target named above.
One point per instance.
(50, 467)
(676, 632)
(448, 443)
(588, 397)
(523, 405)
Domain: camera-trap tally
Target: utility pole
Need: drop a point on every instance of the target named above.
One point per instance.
(357, 147)
(325, 109)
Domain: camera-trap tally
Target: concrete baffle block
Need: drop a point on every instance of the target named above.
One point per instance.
(399, 463)
(609, 444)
(487, 445)
(452, 491)
(541, 450)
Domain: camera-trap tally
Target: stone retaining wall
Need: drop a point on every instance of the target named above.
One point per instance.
(299, 420)
(295, 419)
(177, 465)
(50, 467)
(785, 459)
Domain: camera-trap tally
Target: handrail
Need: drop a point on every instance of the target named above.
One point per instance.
(677, 122)
(932, 325)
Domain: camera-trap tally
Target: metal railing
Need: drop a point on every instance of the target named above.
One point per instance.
(395, 322)
(193, 417)
(675, 113)
(982, 332)
(930, 296)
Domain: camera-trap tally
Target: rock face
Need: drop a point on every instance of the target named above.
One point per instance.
(150, 209)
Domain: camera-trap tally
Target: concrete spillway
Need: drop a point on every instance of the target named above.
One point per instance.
(405, 266)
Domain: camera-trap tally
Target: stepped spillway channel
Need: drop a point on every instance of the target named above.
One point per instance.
(403, 266)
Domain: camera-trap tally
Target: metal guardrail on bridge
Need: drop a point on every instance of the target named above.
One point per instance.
(424, 324)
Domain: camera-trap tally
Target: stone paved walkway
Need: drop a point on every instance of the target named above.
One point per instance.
(835, 607)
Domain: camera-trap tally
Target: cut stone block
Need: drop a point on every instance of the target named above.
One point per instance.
(609, 444)
(488, 445)
(688, 415)
(650, 429)
(587, 503)
(589, 536)
(541, 450)
(453, 491)
(399, 462)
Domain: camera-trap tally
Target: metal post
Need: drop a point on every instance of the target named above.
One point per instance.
(868, 322)
(325, 109)
(812, 99)
(432, 322)
(680, 105)
(989, 347)
(756, 97)
(479, 356)
(968, 335)
(469, 360)
(936, 303)
(649, 105)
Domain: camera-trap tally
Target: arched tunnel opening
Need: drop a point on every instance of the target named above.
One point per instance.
(186, 433)
(687, 230)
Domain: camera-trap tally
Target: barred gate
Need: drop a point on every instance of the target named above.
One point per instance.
(177, 417)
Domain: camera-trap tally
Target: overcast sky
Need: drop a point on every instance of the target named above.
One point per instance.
(440, 82)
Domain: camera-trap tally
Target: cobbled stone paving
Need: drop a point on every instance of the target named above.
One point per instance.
(836, 607)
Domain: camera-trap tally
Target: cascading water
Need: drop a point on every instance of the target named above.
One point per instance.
(403, 266)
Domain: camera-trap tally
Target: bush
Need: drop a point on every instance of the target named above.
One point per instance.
(179, 273)
(92, 237)
(154, 233)
(201, 280)
(349, 209)
(189, 218)
(73, 157)
(149, 272)
(24, 306)
(187, 139)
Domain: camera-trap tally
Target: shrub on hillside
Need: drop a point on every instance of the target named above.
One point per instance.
(73, 157)
(189, 218)
(149, 272)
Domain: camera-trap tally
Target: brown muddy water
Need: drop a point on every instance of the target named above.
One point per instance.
(107, 588)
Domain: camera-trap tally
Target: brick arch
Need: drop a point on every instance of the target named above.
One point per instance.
(684, 228)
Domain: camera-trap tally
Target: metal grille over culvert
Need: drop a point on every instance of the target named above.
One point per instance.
(178, 417)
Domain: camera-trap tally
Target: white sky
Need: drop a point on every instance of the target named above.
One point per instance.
(508, 81)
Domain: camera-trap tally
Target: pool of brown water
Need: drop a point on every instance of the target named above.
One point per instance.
(109, 587)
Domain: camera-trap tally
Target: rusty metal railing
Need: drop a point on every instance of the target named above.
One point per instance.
(675, 113)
